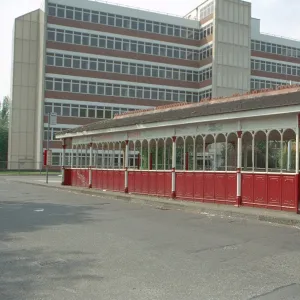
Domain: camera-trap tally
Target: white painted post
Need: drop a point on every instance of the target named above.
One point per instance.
(215, 153)
(113, 155)
(72, 157)
(103, 156)
(267, 151)
(281, 152)
(63, 163)
(165, 154)
(173, 167)
(126, 166)
(90, 165)
(289, 155)
(156, 155)
(204, 153)
(238, 170)
(253, 152)
(77, 157)
(134, 156)
(149, 154)
(195, 154)
(184, 150)
(226, 153)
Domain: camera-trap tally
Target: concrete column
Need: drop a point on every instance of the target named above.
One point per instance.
(63, 163)
(165, 155)
(195, 154)
(102, 157)
(215, 153)
(134, 156)
(126, 166)
(226, 154)
(267, 151)
(72, 153)
(238, 170)
(173, 167)
(183, 154)
(149, 156)
(281, 152)
(77, 157)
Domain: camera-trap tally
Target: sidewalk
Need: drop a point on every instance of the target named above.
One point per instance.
(272, 216)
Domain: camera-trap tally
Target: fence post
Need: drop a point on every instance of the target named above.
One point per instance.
(173, 167)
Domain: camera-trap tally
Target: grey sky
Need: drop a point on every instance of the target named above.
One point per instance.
(277, 17)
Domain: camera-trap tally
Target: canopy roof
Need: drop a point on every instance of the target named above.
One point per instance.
(249, 102)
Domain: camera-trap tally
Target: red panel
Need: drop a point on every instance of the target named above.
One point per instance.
(94, 179)
(82, 177)
(145, 182)
(189, 185)
(220, 187)
(121, 181)
(110, 180)
(260, 189)
(74, 177)
(100, 179)
(231, 188)
(168, 184)
(131, 181)
(247, 189)
(67, 177)
(180, 184)
(198, 186)
(209, 187)
(104, 180)
(289, 194)
(160, 183)
(274, 190)
(152, 183)
(138, 182)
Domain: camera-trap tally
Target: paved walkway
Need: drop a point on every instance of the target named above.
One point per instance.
(280, 217)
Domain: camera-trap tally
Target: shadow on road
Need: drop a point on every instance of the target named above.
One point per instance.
(29, 272)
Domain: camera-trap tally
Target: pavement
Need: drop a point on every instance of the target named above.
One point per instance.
(267, 215)
(63, 244)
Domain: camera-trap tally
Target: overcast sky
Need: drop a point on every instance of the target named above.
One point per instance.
(277, 17)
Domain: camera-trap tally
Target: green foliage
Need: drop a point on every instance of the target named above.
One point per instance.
(4, 115)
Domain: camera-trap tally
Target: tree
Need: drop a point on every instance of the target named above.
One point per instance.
(4, 115)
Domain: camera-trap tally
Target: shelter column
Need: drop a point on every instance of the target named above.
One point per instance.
(63, 162)
(126, 166)
(90, 164)
(173, 167)
(77, 157)
(297, 164)
(238, 170)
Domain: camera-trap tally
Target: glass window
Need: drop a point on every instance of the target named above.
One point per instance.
(75, 86)
(92, 88)
(111, 20)
(147, 93)
(91, 111)
(126, 22)
(163, 28)
(57, 109)
(147, 71)
(124, 91)
(60, 11)
(93, 64)
(109, 66)
(117, 67)
(51, 35)
(168, 73)
(107, 112)
(108, 89)
(84, 63)
(100, 88)
(148, 48)
(110, 43)
(86, 15)
(48, 108)
(102, 42)
(85, 39)
(69, 13)
(170, 30)
(103, 18)
(67, 61)
(139, 92)
(131, 92)
(83, 87)
(133, 46)
(78, 14)
(154, 71)
(154, 94)
(156, 27)
(175, 74)
(162, 94)
(67, 85)
(59, 35)
(117, 90)
(141, 47)
(59, 60)
(148, 26)
(132, 69)
(168, 95)
(119, 21)
(77, 38)
(95, 17)
(134, 23)
(140, 70)
(69, 37)
(83, 111)
(100, 113)
(118, 44)
(125, 68)
(169, 51)
(51, 9)
(58, 85)
(50, 59)
(94, 40)
(66, 110)
(101, 65)
(141, 24)
(76, 62)
(155, 49)
(177, 31)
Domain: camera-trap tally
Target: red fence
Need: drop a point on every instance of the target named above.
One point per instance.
(150, 183)
(112, 180)
(278, 192)
(206, 187)
(274, 191)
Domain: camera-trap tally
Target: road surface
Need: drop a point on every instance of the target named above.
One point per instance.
(61, 245)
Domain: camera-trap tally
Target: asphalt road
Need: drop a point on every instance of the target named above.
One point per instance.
(61, 245)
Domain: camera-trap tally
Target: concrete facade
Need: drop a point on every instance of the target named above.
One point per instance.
(88, 60)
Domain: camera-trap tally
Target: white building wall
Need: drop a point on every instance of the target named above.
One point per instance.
(232, 47)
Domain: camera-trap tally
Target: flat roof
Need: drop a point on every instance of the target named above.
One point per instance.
(251, 101)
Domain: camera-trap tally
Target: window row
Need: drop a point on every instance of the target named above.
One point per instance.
(258, 84)
(275, 49)
(127, 91)
(104, 18)
(102, 65)
(204, 11)
(274, 67)
(101, 41)
(84, 111)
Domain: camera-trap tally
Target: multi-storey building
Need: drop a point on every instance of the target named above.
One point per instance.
(88, 60)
